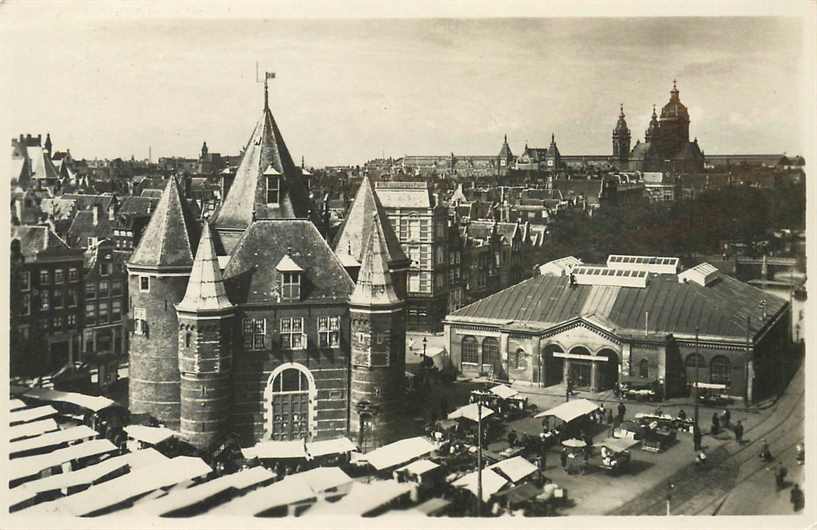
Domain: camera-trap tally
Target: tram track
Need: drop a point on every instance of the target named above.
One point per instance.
(721, 469)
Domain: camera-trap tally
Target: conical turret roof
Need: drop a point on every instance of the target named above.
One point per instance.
(355, 230)
(205, 290)
(505, 151)
(266, 155)
(172, 235)
(374, 285)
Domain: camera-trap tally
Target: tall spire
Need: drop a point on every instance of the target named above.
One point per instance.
(267, 180)
(171, 236)
(374, 283)
(205, 290)
(354, 233)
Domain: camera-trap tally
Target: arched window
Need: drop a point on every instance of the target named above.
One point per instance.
(470, 350)
(289, 394)
(644, 368)
(490, 351)
(719, 370)
(694, 363)
(517, 359)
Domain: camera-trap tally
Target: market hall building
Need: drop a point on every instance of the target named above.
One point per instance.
(637, 316)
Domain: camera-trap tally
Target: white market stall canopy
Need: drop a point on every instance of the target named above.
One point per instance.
(570, 410)
(27, 415)
(618, 445)
(35, 428)
(136, 483)
(92, 403)
(16, 404)
(363, 498)
(399, 452)
(42, 441)
(139, 459)
(25, 467)
(150, 435)
(282, 493)
(184, 498)
(80, 477)
(330, 447)
(505, 392)
(276, 449)
(516, 468)
(491, 483)
(709, 386)
(419, 467)
(470, 412)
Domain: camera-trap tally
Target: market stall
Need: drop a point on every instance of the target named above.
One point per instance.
(712, 394)
(615, 453)
(576, 461)
(569, 418)
(639, 388)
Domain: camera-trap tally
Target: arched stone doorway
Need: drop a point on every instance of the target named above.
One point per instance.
(551, 370)
(290, 396)
(608, 370)
(579, 371)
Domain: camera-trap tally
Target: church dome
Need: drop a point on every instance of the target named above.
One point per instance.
(674, 109)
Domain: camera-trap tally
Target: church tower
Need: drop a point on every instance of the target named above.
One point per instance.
(378, 347)
(205, 350)
(652, 129)
(621, 138)
(158, 273)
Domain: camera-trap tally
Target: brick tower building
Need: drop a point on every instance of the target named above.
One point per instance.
(206, 322)
(158, 272)
(378, 346)
(621, 138)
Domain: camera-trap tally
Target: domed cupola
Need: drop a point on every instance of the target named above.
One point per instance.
(674, 109)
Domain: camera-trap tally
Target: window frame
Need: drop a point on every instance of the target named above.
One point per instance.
(289, 333)
(144, 279)
(467, 356)
(329, 331)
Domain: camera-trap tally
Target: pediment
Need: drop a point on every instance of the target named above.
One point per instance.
(592, 325)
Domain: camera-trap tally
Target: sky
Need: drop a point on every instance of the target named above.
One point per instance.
(348, 90)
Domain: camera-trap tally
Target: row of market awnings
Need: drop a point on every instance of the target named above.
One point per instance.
(281, 449)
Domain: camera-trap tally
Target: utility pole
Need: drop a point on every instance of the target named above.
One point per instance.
(670, 487)
(697, 375)
(479, 457)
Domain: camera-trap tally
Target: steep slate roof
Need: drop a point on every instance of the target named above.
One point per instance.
(250, 275)
(374, 285)
(358, 225)
(83, 227)
(137, 205)
(41, 165)
(404, 194)
(719, 310)
(35, 239)
(86, 200)
(265, 152)
(205, 290)
(172, 235)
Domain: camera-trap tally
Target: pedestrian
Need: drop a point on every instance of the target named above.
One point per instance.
(621, 411)
(780, 477)
(682, 415)
(727, 416)
(700, 458)
(443, 407)
(602, 414)
(544, 458)
(609, 416)
(739, 432)
(716, 424)
(563, 457)
(696, 437)
(765, 453)
(801, 453)
(797, 498)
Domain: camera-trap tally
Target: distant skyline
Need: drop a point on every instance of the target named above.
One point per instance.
(350, 90)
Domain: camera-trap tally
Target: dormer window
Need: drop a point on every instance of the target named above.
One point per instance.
(291, 274)
(291, 286)
(273, 183)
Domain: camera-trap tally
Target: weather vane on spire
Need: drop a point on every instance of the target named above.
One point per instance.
(267, 77)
